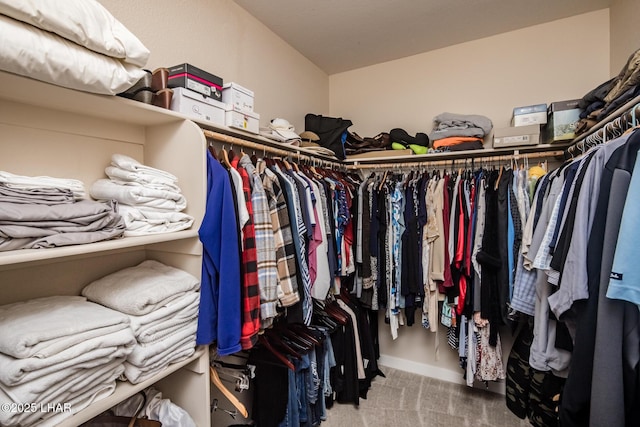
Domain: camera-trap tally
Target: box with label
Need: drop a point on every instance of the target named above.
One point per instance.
(248, 121)
(198, 106)
(195, 79)
(563, 117)
(529, 115)
(240, 98)
(516, 136)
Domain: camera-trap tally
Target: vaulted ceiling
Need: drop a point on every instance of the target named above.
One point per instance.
(341, 35)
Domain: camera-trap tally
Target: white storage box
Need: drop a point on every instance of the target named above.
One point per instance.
(242, 120)
(240, 98)
(198, 106)
(516, 136)
(529, 115)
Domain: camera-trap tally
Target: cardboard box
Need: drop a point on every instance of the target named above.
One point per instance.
(240, 98)
(198, 106)
(516, 136)
(195, 79)
(529, 115)
(563, 117)
(248, 121)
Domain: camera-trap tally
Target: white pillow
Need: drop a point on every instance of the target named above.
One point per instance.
(85, 22)
(32, 52)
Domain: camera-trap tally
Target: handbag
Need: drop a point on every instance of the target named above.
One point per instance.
(110, 420)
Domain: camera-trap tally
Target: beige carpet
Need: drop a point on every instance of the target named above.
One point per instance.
(405, 399)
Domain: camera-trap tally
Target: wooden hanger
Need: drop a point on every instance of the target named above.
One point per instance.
(215, 379)
(224, 159)
(276, 353)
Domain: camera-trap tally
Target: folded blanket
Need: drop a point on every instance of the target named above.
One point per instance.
(123, 176)
(158, 323)
(20, 181)
(45, 326)
(42, 195)
(30, 226)
(127, 163)
(136, 375)
(143, 221)
(76, 402)
(143, 354)
(106, 189)
(90, 353)
(454, 140)
(450, 124)
(141, 289)
(56, 387)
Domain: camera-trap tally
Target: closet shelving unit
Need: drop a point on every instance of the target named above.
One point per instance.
(47, 130)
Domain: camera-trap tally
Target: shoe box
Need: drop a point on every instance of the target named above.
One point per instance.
(198, 106)
(240, 98)
(189, 77)
(562, 119)
(529, 115)
(243, 120)
(516, 136)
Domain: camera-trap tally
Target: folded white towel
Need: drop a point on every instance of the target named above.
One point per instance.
(56, 387)
(21, 181)
(142, 221)
(142, 178)
(90, 353)
(43, 327)
(106, 189)
(141, 289)
(127, 163)
(143, 354)
(158, 323)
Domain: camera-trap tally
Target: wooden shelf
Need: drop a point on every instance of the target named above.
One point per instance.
(460, 155)
(9, 258)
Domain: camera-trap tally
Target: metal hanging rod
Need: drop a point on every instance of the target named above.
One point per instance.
(462, 161)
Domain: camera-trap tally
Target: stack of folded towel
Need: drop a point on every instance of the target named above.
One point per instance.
(45, 212)
(150, 199)
(162, 305)
(49, 357)
(456, 132)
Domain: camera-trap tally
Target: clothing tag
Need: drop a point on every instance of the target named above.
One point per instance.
(615, 276)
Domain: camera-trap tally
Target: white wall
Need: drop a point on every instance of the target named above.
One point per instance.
(625, 32)
(550, 62)
(220, 37)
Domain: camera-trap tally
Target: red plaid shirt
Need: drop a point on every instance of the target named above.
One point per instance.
(250, 292)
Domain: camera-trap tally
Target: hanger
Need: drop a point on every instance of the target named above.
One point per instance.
(224, 158)
(276, 353)
(215, 379)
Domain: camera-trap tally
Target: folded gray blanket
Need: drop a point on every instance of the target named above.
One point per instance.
(451, 124)
(30, 226)
(45, 196)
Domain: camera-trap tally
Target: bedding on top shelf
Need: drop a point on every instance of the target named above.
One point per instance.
(81, 46)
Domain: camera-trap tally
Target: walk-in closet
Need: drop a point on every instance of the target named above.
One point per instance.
(224, 213)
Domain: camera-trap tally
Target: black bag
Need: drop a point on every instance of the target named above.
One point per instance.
(331, 130)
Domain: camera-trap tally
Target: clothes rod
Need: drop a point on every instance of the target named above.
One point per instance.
(294, 154)
(479, 160)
